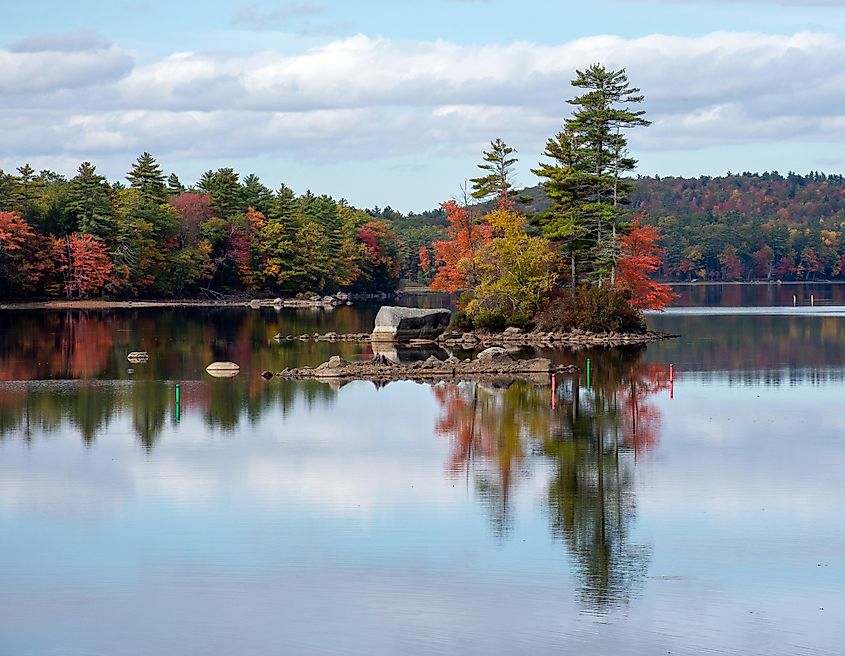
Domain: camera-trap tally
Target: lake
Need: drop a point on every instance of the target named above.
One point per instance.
(642, 514)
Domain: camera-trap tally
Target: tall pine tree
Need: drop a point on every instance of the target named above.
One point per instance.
(589, 161)
(146, 176)
(498, 163)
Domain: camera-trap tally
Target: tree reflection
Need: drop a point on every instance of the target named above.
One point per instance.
(592, 438)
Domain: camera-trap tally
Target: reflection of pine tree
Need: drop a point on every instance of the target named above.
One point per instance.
(591, 501)
(497, 435)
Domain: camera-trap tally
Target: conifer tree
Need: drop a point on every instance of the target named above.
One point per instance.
(590, 158)
(498, 162)
(146, 176)
(174, 185)
(227, 195)
(89, 202)
(257, 195)
(206, 182)
(285, 207)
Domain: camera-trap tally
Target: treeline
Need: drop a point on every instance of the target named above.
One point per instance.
(744, 226)
(155, 237)
(748, 226)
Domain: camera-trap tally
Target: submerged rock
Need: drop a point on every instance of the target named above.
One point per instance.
(401, 324)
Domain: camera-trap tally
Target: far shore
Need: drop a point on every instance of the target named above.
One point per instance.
(58, 304)
(104, 304)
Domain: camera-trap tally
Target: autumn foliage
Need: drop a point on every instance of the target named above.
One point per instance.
(83, 264)
(642, 257)
(465, 239)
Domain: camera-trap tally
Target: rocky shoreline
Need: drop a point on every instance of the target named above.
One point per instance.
(573, 338)
(511, 337)
(492, 363)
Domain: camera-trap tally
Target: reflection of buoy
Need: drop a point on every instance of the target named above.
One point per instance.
(223, 369)
(138, 356)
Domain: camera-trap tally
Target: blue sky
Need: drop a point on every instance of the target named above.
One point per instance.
(391, 103)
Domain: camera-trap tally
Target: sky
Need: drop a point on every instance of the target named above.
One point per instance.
(392, 103)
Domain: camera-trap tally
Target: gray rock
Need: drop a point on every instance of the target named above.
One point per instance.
(336, 362)
(512, 330)
(494, 354)
(401, 324)
(223, 369)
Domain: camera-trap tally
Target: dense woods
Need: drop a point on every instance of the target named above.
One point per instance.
(743, 226)
(157, 238)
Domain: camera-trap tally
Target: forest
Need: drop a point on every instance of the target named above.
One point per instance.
(157, 238)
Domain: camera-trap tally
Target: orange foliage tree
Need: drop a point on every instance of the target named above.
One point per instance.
(642, 256)
(22, 265)
(454, 255)
(424, 259)
(84, 264)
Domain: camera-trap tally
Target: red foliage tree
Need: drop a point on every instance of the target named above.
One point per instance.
(22, 264)
(466, 237)
(14, 232)
(84, 264)
(241, 245)
(194, 210)
(641, 256)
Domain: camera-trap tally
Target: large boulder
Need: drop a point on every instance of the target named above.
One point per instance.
(495, 354)
(401, 324)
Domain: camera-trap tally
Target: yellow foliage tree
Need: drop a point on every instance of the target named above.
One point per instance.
(515, 271)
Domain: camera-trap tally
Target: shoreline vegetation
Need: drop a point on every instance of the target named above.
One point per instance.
(585, 263)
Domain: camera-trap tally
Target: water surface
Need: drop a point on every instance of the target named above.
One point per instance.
(639, 515)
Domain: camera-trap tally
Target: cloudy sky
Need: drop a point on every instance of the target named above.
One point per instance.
(391, 103)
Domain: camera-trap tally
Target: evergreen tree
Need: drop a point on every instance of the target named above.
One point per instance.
(27, 189)
(206, 182)
(285, 207)
(146, 176)
(174, 185)
(89, 203)
(257, 195)
(7, 192)
(227, 195)
(498, 163)
(590, 159)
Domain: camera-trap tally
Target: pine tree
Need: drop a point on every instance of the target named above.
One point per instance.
(174, 185)
(497, 182)
(257, 195)
(146, 176)
(590, 159)
(206, 182)
(89, 203)
(285, 207)
(227, 195)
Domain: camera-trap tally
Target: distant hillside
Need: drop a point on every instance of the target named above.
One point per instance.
(736, 227)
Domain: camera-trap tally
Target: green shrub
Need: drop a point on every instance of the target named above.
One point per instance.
(460, 321)
(596, 309)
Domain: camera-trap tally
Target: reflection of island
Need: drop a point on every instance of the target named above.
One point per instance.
(591, 439)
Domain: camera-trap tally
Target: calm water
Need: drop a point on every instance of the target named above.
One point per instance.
(639, 516)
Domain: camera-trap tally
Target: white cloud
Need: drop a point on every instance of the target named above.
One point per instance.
(47, 71)
(364, 98)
